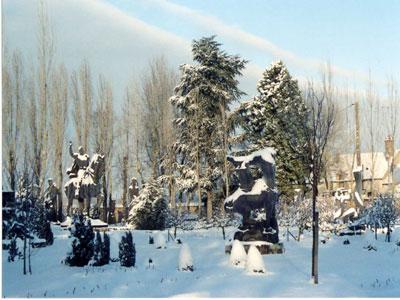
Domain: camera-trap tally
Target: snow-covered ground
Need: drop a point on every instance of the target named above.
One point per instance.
(344, 270)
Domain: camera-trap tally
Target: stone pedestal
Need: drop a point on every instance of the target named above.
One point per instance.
(263, 247)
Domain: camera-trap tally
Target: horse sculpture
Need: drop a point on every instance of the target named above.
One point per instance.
(86, 185)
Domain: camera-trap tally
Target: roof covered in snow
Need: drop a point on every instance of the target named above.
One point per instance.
(376, 164)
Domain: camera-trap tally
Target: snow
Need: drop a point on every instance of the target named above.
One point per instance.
(255, 262)
(238, 255)
(67, 222)
(93, 222)
(159, 240)
(266, 154)
(337, 214)
(358, 198)
(98, 223)
(185, 259)
(344, 270)
(350, 211)
(258, 187)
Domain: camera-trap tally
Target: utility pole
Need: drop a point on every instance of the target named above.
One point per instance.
(358, 137)
(357, 171)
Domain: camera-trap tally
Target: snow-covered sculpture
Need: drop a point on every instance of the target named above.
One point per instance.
(185, 259)
(133, 189)
(85, 181)
(52, 197)
(238, 255)
(254, 263)
(255, 199)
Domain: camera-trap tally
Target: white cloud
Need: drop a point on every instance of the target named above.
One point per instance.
(115, 43)
(252, 40)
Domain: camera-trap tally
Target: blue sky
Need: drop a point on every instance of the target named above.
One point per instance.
(118, 37)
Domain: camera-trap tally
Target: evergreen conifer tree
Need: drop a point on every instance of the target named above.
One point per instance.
(127, 251)
(105, 250)
(202, 99)
(82, 243)
(97, 249)
(276, 118)
(150, 209)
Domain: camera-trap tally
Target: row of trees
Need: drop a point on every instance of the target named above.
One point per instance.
(44, 105)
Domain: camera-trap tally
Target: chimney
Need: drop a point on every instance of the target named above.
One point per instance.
(389, 147)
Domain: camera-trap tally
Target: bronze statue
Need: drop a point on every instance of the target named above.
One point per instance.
(256, 198)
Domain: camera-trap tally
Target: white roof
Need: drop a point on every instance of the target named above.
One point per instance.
(346, 163)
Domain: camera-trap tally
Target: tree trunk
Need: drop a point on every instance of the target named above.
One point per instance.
(314, 225)
(125, 186)
(209, 205)
(24, 255)
(60, 193)
(388, 233)
(105, 194)
(29, 257)
(316, 238)
(172, 195)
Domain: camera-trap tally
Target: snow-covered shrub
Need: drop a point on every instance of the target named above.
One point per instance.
(185, 259)
(127, 251)
(238, 255)
(39, 220)
(82, 244)
(98, 245)
(160, 241)
(160, 210)
(383, 213)
(255, 263)
(13, 250)
(149, 210)
(105, 250)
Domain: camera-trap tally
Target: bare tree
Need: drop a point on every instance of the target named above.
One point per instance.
(82, 95)
(59, 119)
(126, 141)
(40, 117)
(103, 134)
(12, 121)
(393, 105)
(157, 86)
(372, 114)
(320, 123)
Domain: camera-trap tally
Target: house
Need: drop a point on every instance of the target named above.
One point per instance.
(377, 171)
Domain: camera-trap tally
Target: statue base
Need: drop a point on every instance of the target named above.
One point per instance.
(264, 247)
(96, 223)
(256, 233)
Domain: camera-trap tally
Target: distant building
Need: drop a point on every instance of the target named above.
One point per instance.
(377, 171)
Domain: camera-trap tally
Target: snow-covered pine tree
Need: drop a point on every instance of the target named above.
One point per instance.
(185, 259)
(202, 98)
(160, 211)
(150, 208)
(105, 249)
(388, 214)
(82, 242)
(127, 251)
(13, 250)
(40, 218)
(255, 262)
(238, 255)
(97, 247)
(276, 118)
